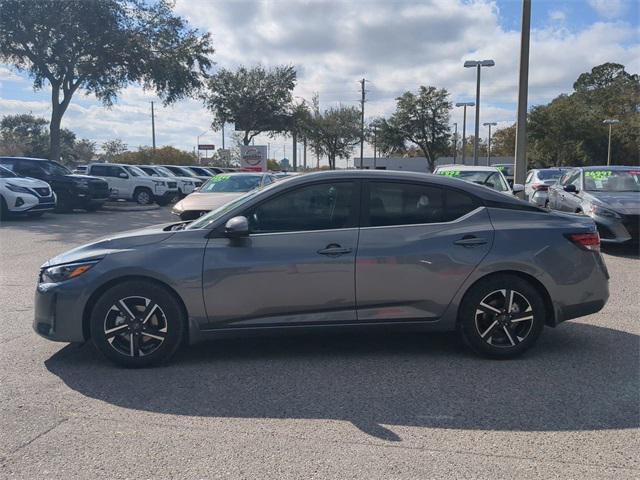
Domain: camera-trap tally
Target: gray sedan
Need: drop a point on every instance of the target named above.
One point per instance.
(360, 249)
(609, 195)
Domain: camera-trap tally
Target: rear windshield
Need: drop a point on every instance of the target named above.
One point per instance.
(487, 178)
(549, 174)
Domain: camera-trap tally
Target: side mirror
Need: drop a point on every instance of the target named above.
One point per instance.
(571, 188)
(123, 175)
(237, 227)
(517, 188)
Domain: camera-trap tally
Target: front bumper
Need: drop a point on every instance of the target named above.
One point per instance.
(58, 311)
(20, 203)
(618, 230)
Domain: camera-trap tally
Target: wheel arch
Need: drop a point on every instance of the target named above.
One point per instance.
(550, 313)
(98, 292)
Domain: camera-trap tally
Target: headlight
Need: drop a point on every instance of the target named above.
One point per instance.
(18, 188)
(60, 273)
(158, 183)
(178, 207)
(603, 212)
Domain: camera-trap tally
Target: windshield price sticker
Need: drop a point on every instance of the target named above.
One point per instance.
(450, 173)
(598, 174)
(220, 178)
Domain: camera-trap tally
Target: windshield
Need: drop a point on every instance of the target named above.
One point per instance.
(487, 178)
(6, 173)
(182, 172)
(164, 172)
(231, 183)
(54, 168)
(606, 180)
(200, 171)
(549, 174)
(505, 169)
(136, 171)
(207, 219)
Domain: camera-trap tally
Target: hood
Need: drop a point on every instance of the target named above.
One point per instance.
(622, 202)
(206, 201)
(120, 241)
(79, 176)
(25, 182)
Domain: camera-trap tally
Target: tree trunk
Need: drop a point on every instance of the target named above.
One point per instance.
(54, 134)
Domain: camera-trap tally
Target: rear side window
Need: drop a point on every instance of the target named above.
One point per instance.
(403, 204)
(457, 204)
(99, 170)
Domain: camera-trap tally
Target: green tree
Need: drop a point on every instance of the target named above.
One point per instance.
(388, 140)
(503, 142)
(335, 132)
(100, 46)
(423, 120)
(111, 149)
(255, 99)
(166, 155)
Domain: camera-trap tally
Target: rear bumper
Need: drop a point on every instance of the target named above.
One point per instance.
(618, 230)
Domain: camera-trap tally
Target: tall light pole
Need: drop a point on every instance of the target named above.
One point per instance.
(455, 142)
(198, 145)
(464, 125)
(523, 93)
(478, 64)
(153, 128)
(489, 124)
(610, 122)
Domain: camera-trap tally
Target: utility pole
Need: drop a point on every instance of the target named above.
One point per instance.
(294, 156)
(362, 121)
(375, 141)
(455, 142)
(304, 153)
(489, 124)
(223, 135)
(153, 128)
(523, 89)
(464, 126)
(610, 122)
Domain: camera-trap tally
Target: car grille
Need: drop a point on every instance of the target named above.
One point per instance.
(48, 199)
(632, 224)
(99, 188)
(172, 184)
(43, 191)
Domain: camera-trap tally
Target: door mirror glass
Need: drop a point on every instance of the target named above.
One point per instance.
(237, 227)
(517, 188)
(571, 188)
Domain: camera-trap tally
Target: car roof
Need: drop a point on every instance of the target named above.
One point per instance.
(26, 158)
(489, 196)
(470, 168)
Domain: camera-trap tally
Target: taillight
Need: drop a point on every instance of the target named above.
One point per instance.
(540, 186)
(588, 241)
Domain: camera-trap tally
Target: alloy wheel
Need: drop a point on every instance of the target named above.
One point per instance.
(135, 326)
(504, 318)
(144, 198)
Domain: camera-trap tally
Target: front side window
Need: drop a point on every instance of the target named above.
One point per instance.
(321, 206)
(6, 173)
(403, 204)
(54, 168)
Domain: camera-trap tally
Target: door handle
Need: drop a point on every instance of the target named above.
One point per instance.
(334, 250)
(470, 241)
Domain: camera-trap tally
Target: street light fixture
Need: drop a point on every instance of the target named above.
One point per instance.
(478, 64)
(489, 124)
(464, 125)
(610, 122)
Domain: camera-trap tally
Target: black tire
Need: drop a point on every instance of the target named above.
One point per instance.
(487, 327)
(4, 210)
(163, 201)
(143, 196)
(132, 342)
(63, 205)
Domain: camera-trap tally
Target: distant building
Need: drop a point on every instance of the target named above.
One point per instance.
(418, 164)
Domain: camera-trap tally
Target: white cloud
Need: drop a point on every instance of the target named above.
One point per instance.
(396, 45)
(609, 8)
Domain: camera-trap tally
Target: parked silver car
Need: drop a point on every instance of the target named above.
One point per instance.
(536, 187)
(333, 249)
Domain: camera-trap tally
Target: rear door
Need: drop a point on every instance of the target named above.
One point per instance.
(417, 245)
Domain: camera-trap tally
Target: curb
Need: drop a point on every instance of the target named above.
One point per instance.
(128, 207)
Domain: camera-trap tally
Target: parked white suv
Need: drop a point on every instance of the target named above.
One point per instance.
(128, 182)
(186, 185)
(22, 195)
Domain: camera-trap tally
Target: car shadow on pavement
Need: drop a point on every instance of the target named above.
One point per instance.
(578, 377)
(631, 250)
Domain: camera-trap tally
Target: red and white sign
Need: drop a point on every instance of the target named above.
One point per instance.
(253, 158)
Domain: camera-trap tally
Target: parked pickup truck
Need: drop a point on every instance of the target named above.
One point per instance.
(129, 182)
(73, 191)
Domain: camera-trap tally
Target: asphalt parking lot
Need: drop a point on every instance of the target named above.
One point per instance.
(392, 405)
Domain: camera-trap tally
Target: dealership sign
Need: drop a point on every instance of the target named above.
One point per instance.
(206, 146)
(253, 157)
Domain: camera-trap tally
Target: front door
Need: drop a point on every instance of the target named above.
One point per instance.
(418, 243)
(295, 267)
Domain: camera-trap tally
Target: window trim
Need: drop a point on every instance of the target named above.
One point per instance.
(364, 203)
(355, 213)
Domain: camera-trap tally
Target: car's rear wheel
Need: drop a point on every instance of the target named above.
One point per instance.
(137, 324)
(143, 196)
(4, 210)
(502, 316)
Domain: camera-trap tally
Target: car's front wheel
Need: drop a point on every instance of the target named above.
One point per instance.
(501, 316)
(143, 196)
(137, 324)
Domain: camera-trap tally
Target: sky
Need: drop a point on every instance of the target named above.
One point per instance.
(396, 45)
